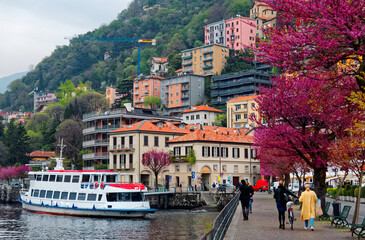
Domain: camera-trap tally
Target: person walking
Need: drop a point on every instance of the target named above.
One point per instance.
(281, 198)
(246, 193)
(251, 198)
(308, 199)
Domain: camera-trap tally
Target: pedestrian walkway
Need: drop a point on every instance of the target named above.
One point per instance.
(263, 223)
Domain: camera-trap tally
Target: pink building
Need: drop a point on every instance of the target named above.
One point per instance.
(144, 87)
(111, 95)
(235, 33)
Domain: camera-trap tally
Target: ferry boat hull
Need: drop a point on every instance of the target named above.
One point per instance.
(84, 212)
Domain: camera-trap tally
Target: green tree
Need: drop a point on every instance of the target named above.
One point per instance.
(124, 88)
(17, 143)
(240, 7)
(174, 59)
(221, 120)
(236, 62)
(191, 156)
(152, 102)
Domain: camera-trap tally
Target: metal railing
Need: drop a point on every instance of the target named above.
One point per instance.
(221, 223)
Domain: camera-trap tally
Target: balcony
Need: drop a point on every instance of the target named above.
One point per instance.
(207, 50)
(88, 130)
(233, 91)
(186, 63)
(88, 143)
(207, 67)
(138, 101)
(146, 84)
(136, 93)
(106, 114)
(136, 86)
(122, 148)
(187, 56)
(184, 96)
(185, 89)
(241, 110)
(88, 156)
(208, 58)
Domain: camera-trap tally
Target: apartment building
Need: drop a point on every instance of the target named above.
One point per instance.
(235, 33)
(205, 60)
(180, 93)
(99, 124)
(240, 110)
(144, 86)
(159, 66)
(264, 16)
(200, 115)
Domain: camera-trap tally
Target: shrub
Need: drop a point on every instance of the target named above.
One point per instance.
(342, 193)
(101, 166)
(356, 192)
(362, 194)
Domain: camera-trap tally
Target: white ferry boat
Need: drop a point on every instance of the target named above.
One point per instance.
(84, 193)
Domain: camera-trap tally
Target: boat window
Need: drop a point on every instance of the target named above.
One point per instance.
(39, 177)
(82, 196)
(32, 193)
(91, 197)
(111, 197)
(36, 193)
(49, 194)
(96, 178)
(31, 177)
(52, 178)
(85, 178)
(75, 178)
(136, 197)
(56, 195)
(118, 197)
(42, 194)
(111, 178)
(100, 196)
(59, 178)
(45, 178)
(67, 178)
(72, 196)
(64, 195)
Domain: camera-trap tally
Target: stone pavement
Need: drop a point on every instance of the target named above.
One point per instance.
(263, 223)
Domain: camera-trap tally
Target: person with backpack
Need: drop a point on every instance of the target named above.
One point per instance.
(246, 193)
(281, 196)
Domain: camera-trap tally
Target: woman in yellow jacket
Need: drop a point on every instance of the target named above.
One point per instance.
(308, 200)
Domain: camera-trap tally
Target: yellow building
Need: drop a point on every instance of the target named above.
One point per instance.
(239, 111)
(205, 60)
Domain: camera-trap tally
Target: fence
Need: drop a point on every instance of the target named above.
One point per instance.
(221, 223)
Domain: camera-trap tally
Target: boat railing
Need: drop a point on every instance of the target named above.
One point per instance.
(125, 185)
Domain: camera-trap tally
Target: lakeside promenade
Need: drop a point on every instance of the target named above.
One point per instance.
(263, 223)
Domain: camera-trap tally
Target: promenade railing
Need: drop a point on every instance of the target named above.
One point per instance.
(223, 220)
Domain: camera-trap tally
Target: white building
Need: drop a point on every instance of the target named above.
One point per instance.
(203, 115)
(159, 67)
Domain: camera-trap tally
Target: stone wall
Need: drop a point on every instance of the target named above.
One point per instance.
(9, 195)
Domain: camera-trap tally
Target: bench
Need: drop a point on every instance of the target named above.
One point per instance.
(325, 214)
(357, 228)
(342, 219)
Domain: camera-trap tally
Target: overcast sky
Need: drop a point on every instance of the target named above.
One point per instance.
(31, 29)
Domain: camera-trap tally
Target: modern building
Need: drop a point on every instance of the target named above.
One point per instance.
(235, 33)
(240, 110)
(99, 124)
(222, 156)
(180, 93)
(200, 115)
(205, 60)
(159, 67)
(144, 86)
(264, 16)
(226, 87)
(42, 99)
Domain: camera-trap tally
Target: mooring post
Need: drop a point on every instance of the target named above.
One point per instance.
(166, 200)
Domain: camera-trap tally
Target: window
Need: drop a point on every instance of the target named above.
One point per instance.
(177, 168)
(49, 194)
(177, 101)
(166, 143)
(246, 152)
(171, 102)
(187, 117)
(246, 169)
(205, 116)
(189, 168)
(253, 153)
(64, 195)
(145, 141)
(177, 151)
(215, 152)
(197, 117)
(91, 197)
(252, 105)
(236, 168)
(251, 31)
(100, 197)
(237, 30)
(224, 167)
(45, 178)
(238, 117)
(192, 117)
(31, 177)
(245, 116)
(237, 107)
(224, 152)
(59, 178)
(42, 194)
(75, 179)
(254, 169)
(85, 178)
(156, 141)
(72, 196)
(36, 193)
(52, 178)
(245, 106)
(131, 160)
(39, 177)
(171, 87)
(81, 197)
(56, 195)
(206, 151)
(177, 94)
(215, 167)
(187, 149)
(171, 95)
(236, 152)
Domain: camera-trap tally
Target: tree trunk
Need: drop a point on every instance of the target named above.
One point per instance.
(156, 181)
(341, 184)
(300, 183)
(319, 181)
(287, 180)
(357, 206)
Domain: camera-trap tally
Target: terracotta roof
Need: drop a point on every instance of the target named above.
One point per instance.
(236, 99)
(159, 60)
(151, 126)
(202, 108)
(214, 136)
(40, 153)
(179, 70)
(261, 3)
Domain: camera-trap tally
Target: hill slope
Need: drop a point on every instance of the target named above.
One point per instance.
(5, 81)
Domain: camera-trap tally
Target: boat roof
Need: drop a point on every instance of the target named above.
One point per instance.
(78, 171)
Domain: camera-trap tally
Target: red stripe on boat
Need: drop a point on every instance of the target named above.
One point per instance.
(133, 186)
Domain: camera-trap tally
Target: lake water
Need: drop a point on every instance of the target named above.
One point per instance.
(16, 223)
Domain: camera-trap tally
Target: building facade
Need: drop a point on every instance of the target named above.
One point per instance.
(240, 110)
(99, 124)
(159, 67)
(235, 33)
(181, 93)
(226, 87)
(263, 16)
(42, 99)
(144, 87)
(200, 115)
(205, 60)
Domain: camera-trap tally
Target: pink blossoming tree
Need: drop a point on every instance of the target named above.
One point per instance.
(156, 161)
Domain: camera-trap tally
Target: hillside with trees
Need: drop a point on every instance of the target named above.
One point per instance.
(175, 24)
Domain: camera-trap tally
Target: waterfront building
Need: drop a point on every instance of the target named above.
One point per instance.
(180, 93)
(264, 16)
(99, 124)
(144, 86)
(159, 67)
(205, 60)
(240, 110)
(235, 33)
(41, 158)
(200, 115)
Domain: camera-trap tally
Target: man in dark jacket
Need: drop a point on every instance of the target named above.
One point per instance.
(246, 193)
(281, 198)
